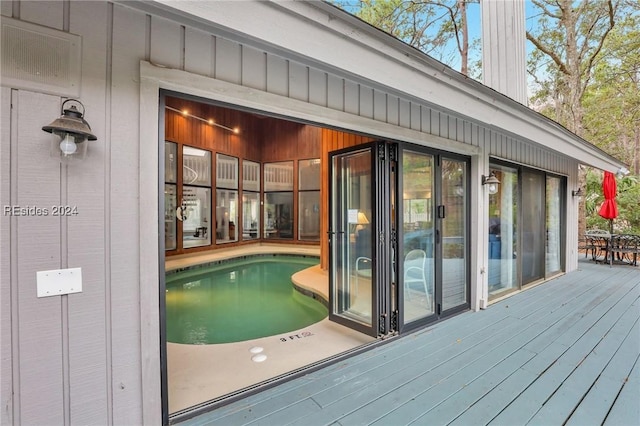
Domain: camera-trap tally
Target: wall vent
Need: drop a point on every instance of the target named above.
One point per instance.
(40, 59)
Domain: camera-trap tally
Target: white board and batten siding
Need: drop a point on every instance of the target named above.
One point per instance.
(93, 357)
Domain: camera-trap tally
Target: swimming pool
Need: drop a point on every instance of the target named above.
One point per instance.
(239, 300)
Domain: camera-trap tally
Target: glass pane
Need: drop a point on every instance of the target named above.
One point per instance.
(278, 176)
(226, 172)
(196, 166)
(554, 228)
(250, 176)
(170, 199)
(226, 216)
(533, 226)
(250, 215)
(454, 234)
(418, 227)
(278, 215)
(309, 216)
(354, 265)
(170, 162)
(309, 174)
(196, 216)
(503, 224)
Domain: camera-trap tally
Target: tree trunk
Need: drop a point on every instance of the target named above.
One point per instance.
(464, 49)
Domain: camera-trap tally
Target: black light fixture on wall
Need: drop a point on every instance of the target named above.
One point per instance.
(70, 133)
(577, 192)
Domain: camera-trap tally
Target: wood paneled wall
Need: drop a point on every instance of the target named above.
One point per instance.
(190, 131)
(262, 139)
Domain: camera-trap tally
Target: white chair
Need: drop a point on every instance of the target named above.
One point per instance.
(363, 269)
(415, 265)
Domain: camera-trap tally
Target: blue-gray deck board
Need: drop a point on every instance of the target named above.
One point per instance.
(566, 350)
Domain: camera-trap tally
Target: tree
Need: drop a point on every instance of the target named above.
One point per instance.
(569, 37)
(426, 25)
(612, 102)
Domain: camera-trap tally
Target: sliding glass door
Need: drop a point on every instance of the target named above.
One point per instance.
(554, 240)
(504, 213)
(526, 228)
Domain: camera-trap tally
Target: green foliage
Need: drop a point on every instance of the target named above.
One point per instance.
(612, 101)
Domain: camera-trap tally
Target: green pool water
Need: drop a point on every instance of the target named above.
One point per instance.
(239, 300)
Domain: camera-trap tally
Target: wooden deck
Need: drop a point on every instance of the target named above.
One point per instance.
(563, 352)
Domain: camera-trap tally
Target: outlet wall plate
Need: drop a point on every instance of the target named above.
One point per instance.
(59, 281)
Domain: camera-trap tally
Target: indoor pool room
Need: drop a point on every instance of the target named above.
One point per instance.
(275, 261)
(221, 339)
(239, 299)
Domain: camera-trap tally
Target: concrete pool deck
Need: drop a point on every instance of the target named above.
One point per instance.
(187, 260)
(201, 373)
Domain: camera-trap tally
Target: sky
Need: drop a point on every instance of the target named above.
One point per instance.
(450, 55)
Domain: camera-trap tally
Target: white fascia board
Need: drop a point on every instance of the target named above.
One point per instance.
(324, 34)
(257, 100)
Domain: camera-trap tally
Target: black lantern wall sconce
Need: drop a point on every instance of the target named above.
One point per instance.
(70, 133)
(492, 182)
(577, 193)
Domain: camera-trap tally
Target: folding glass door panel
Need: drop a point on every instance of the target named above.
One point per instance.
(398, 237)
(433, 244)
(353, 293)
(453, 214)
(418, 233)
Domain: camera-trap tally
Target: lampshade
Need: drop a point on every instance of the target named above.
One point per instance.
(70, 131)
(362, 218)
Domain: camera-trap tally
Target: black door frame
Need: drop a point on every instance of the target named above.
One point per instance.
(439, 314)
(387, 299)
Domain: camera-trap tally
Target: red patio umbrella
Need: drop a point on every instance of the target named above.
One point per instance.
(609, 208)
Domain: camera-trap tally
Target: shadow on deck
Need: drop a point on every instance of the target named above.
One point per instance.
(563, 352)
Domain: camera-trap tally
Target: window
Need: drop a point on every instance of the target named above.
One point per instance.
(226, 198)
(309, 200)
(170, 195)
(250, 200)
(196, 197)
(278, 200)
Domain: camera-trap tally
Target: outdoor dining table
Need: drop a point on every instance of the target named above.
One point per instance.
(622, 248)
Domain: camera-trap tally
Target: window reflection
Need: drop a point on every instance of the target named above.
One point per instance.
(503, 222)
(278, 214)
(278, 206)
(250, 215)
(226, 215)
(196, 216)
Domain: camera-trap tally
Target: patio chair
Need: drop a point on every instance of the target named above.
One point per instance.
(415, 264)
(596, 242)
(625, 248)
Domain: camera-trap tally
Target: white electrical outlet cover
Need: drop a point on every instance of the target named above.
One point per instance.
(59, 281)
